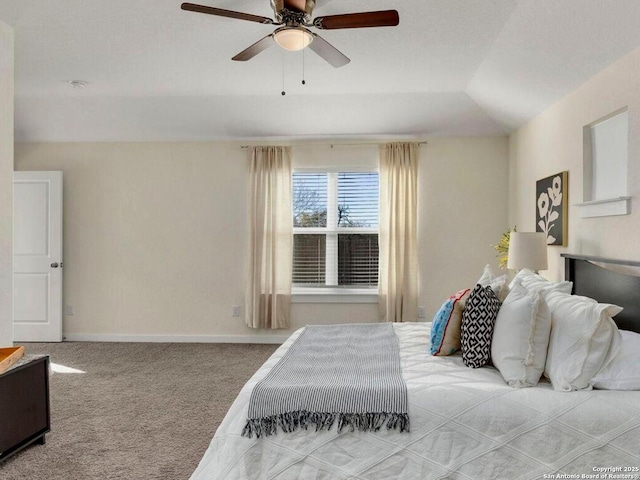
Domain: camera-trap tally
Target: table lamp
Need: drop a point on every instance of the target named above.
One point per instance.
(527, 250)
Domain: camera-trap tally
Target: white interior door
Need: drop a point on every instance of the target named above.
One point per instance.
(37, 256)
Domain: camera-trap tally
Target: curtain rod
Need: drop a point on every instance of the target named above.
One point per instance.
(331, 145)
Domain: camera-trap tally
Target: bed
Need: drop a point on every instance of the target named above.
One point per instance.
(465, 423)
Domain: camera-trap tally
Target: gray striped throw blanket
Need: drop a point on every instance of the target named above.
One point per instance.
(344, 374)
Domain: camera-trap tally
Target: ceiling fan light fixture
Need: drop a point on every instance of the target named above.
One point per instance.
(293, 38)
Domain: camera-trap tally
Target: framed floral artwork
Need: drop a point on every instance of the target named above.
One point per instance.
(551, 207)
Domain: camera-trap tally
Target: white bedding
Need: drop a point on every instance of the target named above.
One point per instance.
(465, 424)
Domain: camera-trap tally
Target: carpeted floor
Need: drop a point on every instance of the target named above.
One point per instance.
(140, 411)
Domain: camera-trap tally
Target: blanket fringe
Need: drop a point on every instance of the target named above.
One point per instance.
(292, 421)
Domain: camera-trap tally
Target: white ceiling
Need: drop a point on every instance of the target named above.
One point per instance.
(157, 73)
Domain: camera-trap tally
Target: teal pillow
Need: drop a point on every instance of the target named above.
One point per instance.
(445, 329)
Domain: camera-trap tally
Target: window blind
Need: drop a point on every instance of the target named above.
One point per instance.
(309, 259)
(309, 199)
(358, 200)
(358, 259)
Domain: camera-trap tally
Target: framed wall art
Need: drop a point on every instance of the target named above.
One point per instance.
(552, 201)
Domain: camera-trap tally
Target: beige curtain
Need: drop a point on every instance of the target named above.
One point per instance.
(268, 293)
(398, 271)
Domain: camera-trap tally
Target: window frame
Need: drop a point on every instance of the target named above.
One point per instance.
(332, 292)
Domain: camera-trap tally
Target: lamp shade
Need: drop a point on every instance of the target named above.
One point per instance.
(527, 250)
(293, 38)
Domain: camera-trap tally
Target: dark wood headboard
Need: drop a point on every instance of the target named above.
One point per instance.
(594, 277)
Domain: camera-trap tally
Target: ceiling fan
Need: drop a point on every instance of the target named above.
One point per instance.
(295, 18)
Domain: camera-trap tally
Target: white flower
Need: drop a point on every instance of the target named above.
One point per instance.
(543, 204)
(557, 185)
(557, 191)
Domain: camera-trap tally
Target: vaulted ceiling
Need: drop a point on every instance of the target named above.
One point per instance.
(157, 73)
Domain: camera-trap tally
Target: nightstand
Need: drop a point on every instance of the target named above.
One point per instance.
(24, 405)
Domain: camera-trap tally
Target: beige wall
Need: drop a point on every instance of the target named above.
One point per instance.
(155, 232)
(6, 184)
(552, 142)
(461, 194)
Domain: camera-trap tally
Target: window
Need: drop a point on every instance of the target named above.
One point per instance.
(335, 229)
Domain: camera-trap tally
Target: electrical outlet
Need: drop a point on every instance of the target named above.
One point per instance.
(235, 311)
(422, 312)
(71, 310)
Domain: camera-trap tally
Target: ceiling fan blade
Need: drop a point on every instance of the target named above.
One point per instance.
(226, 13)
(255, 49)
(384, 18)
(328, 52)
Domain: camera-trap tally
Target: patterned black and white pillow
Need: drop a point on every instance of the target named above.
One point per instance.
(478, 319)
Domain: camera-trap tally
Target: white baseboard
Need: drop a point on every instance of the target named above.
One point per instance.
(97, 337)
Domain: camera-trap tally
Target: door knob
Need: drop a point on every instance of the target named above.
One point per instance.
(54, 265)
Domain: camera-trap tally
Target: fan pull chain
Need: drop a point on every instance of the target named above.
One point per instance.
(303, 80)
(283, 90)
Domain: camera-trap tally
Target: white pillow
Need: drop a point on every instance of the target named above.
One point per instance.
(533, 281)
(584, 337)
(623, 371)
(521, 337)
(497, 284)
